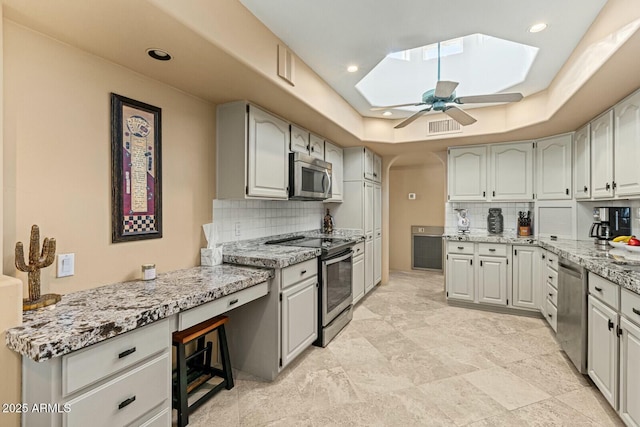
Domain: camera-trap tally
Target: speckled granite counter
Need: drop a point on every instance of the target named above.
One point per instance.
(483, 236)
(254, 252)
(88, 317)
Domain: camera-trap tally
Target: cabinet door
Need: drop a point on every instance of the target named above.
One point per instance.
(268, 156)
(377, 168)
(526, 287)
(316, 147)
(582, 163)
(630, 373)
(460, 277)
(299, 140)
(626, 142)
(358, 278)
(368, 164)
(334, 155)
(602, 357)
(299, 310)
(602, 156)
(377, 259)
(553, 168)
(368, 263)
(377, 209)
(511, 171)
(467, 177)
(368, 208)
(492, 280)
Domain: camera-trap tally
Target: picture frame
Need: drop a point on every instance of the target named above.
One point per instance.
(136, 170)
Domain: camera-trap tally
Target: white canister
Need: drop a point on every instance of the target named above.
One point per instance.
(148, 271)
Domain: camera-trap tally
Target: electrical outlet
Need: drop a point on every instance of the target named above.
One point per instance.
(236, 228)
(66, 265)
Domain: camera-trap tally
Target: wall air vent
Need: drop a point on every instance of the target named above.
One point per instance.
(439, 127)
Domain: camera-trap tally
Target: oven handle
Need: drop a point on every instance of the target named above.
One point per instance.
(340, 257)
(326, 193)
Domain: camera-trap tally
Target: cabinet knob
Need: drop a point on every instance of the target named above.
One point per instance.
(550, 294)
(607, 187)
(598, 289)
(567, 191)
(550, 316)
(551, 277)
(585, 189)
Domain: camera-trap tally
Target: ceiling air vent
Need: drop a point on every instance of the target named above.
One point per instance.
(439, 127)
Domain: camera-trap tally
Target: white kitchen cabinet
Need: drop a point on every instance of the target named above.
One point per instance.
(553, 168)
(252, 153)
(368, 208)
(316, 146)
(299, 318)
(629, 373)
(358, 272)
(582, 163)
(467, 173)
(602, 355)
(511, 172)
(492, 280)
(377, 168)
(377, 233)
(460, 277)
(377, 259)
(334, 155)
(626, 141)
(526, 287)
(602, 156)
(299, 140)
(362, 163)
(369, 250)
(369, 164)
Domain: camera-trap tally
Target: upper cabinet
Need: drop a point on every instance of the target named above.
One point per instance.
(602, 156)
(467, 173)
(582, 163)
(627, 146)
(299, 140)
(511, 172)
(252, 153)
(316, 147)
(553, 168)
(377, 168)
(360, 162)
(368, 164)
(334, 155)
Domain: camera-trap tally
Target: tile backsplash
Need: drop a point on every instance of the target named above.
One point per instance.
(477, 213)
(262, 218)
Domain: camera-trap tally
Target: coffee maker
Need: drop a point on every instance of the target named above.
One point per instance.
(609, 223)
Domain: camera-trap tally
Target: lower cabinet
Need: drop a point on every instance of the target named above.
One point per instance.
(602, 356)
(492, 280)
(526, 282)
(358, 272)
(630, 373)
(299, 327)
(368, 263)
(460, 280)
(377, 258)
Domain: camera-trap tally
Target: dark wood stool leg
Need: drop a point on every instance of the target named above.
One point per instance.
(224, 353)
(183, 410)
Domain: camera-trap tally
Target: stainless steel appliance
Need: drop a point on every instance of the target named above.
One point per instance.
(572, 312)
(610, 222)
(309, 178)
(335, 270)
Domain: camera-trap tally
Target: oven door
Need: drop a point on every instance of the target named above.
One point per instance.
(337, 288)
(310, 181)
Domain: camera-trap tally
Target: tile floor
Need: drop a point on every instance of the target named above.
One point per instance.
(407, 358)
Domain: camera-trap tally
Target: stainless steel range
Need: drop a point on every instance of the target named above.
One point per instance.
(335, 267)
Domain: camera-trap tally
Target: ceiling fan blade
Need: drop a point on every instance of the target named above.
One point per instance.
(388, 107)
(496, 97)
(412, 118)
(444, 89)
(459, 116)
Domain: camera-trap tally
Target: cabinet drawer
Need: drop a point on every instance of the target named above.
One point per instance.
(552, 260)
(630, 302)
(605, 291)
(551, 276)
(492, 249)
(552, 315)
(125, 398)
(187, 319)
(84, 367)
(162, 419)
(295, 273)
(552, 294)
(460, 247)
(358, 250)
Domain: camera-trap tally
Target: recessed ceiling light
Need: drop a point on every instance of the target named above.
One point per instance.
(387, 113)
(352, 68)
(159, 54)
(536, 28)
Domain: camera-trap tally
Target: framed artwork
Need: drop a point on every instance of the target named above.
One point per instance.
(136, 178)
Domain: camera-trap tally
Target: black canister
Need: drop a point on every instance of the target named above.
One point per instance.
(495, 221)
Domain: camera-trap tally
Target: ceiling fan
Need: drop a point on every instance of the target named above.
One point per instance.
(440, 98)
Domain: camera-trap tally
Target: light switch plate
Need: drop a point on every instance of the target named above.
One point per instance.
(66, 265)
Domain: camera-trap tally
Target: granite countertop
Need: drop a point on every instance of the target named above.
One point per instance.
(90, 316)
(254, 252)
(484, 237)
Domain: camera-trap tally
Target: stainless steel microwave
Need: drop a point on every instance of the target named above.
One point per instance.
(309, 178)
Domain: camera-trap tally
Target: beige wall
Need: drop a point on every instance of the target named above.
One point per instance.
(428, 182)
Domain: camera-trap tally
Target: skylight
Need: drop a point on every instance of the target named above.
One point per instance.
(481, 64)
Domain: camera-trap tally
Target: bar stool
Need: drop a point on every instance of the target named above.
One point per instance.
(194, 370)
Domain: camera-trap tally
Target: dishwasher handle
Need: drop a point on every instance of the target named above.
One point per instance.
(571, 270)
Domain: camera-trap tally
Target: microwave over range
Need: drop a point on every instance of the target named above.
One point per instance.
(309, 178)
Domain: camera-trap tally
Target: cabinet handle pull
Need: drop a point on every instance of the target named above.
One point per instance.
(480, 263)
(550, 316)
(598, 289)
(127, 402)
(484, 194)
(636, 311)
(585, 189)
(303, 272)
(233, 301)
(614, 185)
(550, 294)
(607, 187)
(551, 277)
(127, 352)
(567, 191)
(550, 260)
(492, 249)
(461, 247)
(494, 194)
(610, 324)
(618, 331)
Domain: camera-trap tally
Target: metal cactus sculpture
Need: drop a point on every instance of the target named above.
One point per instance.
(36, 263)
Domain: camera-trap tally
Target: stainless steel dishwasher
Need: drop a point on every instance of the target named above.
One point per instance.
(572, 312)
